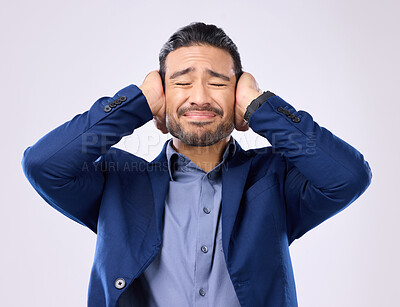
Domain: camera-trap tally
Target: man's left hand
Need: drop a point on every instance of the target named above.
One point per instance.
(246, 91)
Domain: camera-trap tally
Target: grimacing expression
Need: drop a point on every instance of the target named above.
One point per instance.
(200, 94)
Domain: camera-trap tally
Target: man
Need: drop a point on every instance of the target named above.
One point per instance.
(206, 223)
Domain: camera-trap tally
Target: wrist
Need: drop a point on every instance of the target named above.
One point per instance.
(246, 99)
(253, 95)
(150, 99)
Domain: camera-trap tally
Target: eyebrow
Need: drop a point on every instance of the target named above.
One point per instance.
(190, 69)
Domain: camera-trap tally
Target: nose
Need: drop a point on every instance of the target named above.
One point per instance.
(199, 95)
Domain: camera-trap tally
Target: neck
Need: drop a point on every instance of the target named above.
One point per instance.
(205, 157)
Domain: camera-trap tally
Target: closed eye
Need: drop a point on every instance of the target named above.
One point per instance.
(213, 84)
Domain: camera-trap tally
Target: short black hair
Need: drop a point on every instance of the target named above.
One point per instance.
(199, 33)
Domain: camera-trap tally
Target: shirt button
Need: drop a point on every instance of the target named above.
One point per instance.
(204, 249)
(206, 210)
(202, 292)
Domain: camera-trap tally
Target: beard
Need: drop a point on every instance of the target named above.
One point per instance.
(200, 139)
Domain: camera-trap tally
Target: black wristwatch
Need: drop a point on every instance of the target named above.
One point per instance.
(256, 103)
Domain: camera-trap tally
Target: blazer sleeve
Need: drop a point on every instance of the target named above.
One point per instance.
(66, 166)
(324, 174)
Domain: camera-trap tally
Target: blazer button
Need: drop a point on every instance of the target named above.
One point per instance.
(120, 283)
(112, 104)
(107, 108)
(283, 110)
(295, 119)
(122, 98)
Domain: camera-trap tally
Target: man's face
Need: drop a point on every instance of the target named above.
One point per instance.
(200, 94)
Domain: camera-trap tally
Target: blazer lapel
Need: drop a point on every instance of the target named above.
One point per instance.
(159, 177)
(234, 175)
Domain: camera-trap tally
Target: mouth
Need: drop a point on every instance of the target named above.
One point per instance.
(199, 115)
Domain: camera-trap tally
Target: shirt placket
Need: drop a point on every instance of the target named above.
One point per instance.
(205, 238)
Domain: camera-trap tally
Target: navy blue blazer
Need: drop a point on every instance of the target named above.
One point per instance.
(270, 196)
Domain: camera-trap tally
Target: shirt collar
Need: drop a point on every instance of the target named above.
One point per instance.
(174, 157)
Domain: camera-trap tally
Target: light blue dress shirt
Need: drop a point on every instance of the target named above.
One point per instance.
(190, 270)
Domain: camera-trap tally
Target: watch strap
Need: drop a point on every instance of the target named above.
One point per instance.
(256, 104)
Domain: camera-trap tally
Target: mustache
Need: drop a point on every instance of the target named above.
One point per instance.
(182, 111)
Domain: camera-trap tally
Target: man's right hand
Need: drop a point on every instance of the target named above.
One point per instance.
(153, 91)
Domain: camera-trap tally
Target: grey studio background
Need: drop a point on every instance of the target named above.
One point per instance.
(337, 60)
